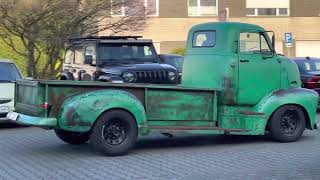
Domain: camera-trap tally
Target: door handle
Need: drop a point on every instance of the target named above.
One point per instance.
(244, 60)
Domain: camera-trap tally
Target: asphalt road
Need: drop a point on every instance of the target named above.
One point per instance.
(32, 153)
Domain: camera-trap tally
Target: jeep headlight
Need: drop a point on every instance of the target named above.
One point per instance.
(172, 76)
(129, 77)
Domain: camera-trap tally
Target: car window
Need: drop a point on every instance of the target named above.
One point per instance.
(9, 72)
(204, 39)
(253, 43)
(308, 66)
(69, 57)
(91, 51)
(130, 52)
(79, 55)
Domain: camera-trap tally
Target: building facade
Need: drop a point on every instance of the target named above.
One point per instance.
(170, 21)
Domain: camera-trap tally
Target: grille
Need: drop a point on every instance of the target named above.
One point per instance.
(152, 76)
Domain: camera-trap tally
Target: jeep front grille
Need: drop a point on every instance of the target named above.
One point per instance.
(155, 76)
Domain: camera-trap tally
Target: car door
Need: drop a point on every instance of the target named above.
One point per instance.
(259, 69)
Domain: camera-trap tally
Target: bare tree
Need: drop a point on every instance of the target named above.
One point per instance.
(44, 26)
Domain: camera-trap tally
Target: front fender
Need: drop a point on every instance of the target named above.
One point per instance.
(80, 112)
(305, 98)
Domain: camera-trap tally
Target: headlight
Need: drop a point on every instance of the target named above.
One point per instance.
(129, 77)
(172, 76)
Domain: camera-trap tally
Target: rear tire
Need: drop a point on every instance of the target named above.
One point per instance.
(72, 137)
(115, 133)
(287, 123)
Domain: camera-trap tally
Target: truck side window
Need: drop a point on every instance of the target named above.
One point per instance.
(91, 51)
(204, 39)
(254, 42)
(69, 57)
(79, 55)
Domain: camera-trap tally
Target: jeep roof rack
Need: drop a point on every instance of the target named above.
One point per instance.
(105, 38)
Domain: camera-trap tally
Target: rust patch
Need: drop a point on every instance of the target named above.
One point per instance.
(250, 113)
(73, 118)
(228, 92)
(283, 92)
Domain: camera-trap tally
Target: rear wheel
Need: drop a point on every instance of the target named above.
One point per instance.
(72, 137)
(114, 133)
(287, 123)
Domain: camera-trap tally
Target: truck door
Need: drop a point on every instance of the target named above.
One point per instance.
(259, 69)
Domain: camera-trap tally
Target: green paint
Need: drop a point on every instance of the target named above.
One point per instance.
(227, 88)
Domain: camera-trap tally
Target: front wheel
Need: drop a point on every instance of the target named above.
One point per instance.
(287, 123)
(72, 137)
(114, 133)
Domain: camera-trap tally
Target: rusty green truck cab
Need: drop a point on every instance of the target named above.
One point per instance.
(232, 83)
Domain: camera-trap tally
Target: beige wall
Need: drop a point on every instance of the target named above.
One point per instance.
(176, 29)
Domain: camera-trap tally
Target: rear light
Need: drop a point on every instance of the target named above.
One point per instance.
(45, 105)
(313, 82)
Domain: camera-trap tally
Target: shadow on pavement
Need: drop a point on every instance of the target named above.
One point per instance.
(9, 125)
(198, 140)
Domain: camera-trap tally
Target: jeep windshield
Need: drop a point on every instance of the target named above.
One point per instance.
(9, 72)
(127, 53)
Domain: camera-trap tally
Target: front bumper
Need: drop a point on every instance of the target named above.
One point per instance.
(33, 121)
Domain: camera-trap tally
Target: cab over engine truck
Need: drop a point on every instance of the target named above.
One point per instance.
(233, 82)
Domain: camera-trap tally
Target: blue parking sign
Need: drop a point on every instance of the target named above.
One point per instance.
(288, 39)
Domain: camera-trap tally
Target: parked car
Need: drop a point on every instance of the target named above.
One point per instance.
(117, 59)
(309, 68)
(173, 60)
(9, 73)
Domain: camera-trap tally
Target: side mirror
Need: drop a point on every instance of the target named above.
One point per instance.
(88, 59)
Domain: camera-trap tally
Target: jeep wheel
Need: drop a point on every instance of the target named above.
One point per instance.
(72, 137)
(114, 133)
(287, 124)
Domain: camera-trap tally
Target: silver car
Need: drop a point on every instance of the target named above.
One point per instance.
(9, 73)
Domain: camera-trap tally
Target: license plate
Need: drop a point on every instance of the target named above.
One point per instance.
(4, 109)
(12, 116)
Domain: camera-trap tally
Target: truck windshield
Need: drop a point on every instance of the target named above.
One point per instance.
(8, 72)
(129, 53)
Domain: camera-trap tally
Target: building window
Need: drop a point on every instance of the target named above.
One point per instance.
(268, 8)
(120, 9)
(152, 7)
(202, 7)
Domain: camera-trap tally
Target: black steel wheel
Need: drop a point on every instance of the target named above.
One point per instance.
(72, 137)
(287, 123)
(114, 133)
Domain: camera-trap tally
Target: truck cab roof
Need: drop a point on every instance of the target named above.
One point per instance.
(219, 30)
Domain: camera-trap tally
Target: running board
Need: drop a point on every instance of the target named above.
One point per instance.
(191, 128)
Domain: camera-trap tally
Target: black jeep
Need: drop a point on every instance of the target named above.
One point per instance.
(117, 59)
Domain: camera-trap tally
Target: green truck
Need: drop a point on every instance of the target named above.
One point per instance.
(233, 82)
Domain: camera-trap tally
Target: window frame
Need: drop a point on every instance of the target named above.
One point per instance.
(256, 14)
(215, 39)
(198, 14)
